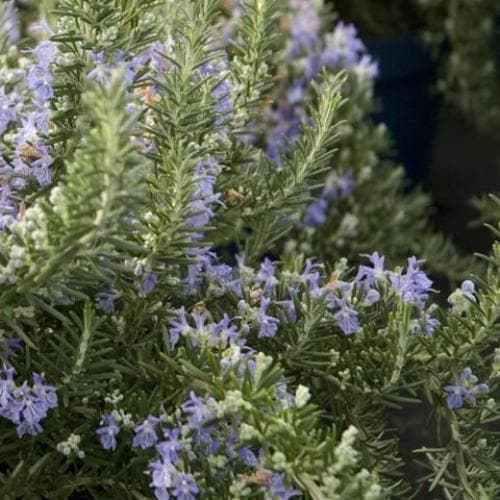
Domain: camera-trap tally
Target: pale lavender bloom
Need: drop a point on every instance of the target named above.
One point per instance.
(9, 407)
(289, 122)
(204, 196)
(464, 390)
(108, 431)
(288, 307)
(366, 69)
(197, 411)
(179, 326)
(346, 317)
(148, 283)
(170, 447)
(45, 53)
(370, 275)
(39, 80)
(145, 433)
(223, 332)
(343, 47)
(106, 302)
(41, 166)
(106, 298)
(316, 213)
(162, 478)
(296, 92)
(46, 393)
(277, 487)
(305, 27)
(185, 487)
(413, 286)
(372, 296)
(268, 325)
(266, 275)
(32, 410)
(468, 290)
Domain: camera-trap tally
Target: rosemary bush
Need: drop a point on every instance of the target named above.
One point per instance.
(165, 332)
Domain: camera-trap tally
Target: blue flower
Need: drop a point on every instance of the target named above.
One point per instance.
(108, 431)
(370, 275)
(316, 213)
(346, 317)
(162, 475)
(343, 47)
(413, 286)
(266, 275)
(44, 392)
(178, 326)
(145, 433)
(185, 487)
(466, 389)
(197, 411)
(170, 447)
(279, 490)
(268, 325)
(223, 332)
(32, 409)
(148, 283)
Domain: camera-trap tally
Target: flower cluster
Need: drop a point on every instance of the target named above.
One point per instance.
(23, 405)
(308, 53)
(207, 429)
(336, 187)
(465, 390)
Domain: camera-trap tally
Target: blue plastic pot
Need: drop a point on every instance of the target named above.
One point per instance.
(409, 103)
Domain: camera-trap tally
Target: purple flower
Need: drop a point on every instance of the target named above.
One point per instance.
(162, 478)
(148, 283)
(464, 390)
(108, 431)
(343, 47)
(288, 307)
(413, 286)
(346, 317)
(266, 276)
(24, 406)
(316, 213)
(204, 196)
(288, 122)
(106, 302)
(305, 27)
(145, 433)
(197, 411)
(33, 409)
(106, 298)
(44, 392)
(296, 92)
(178, 326)
(9, 406)
(170, 447)
(39, 80)
(428, 324)
(372, 297)
(468, 290)
(223, 332)
(268, 325)
(370, 275)
(45, 53)
(278, 489)
(185, 487)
